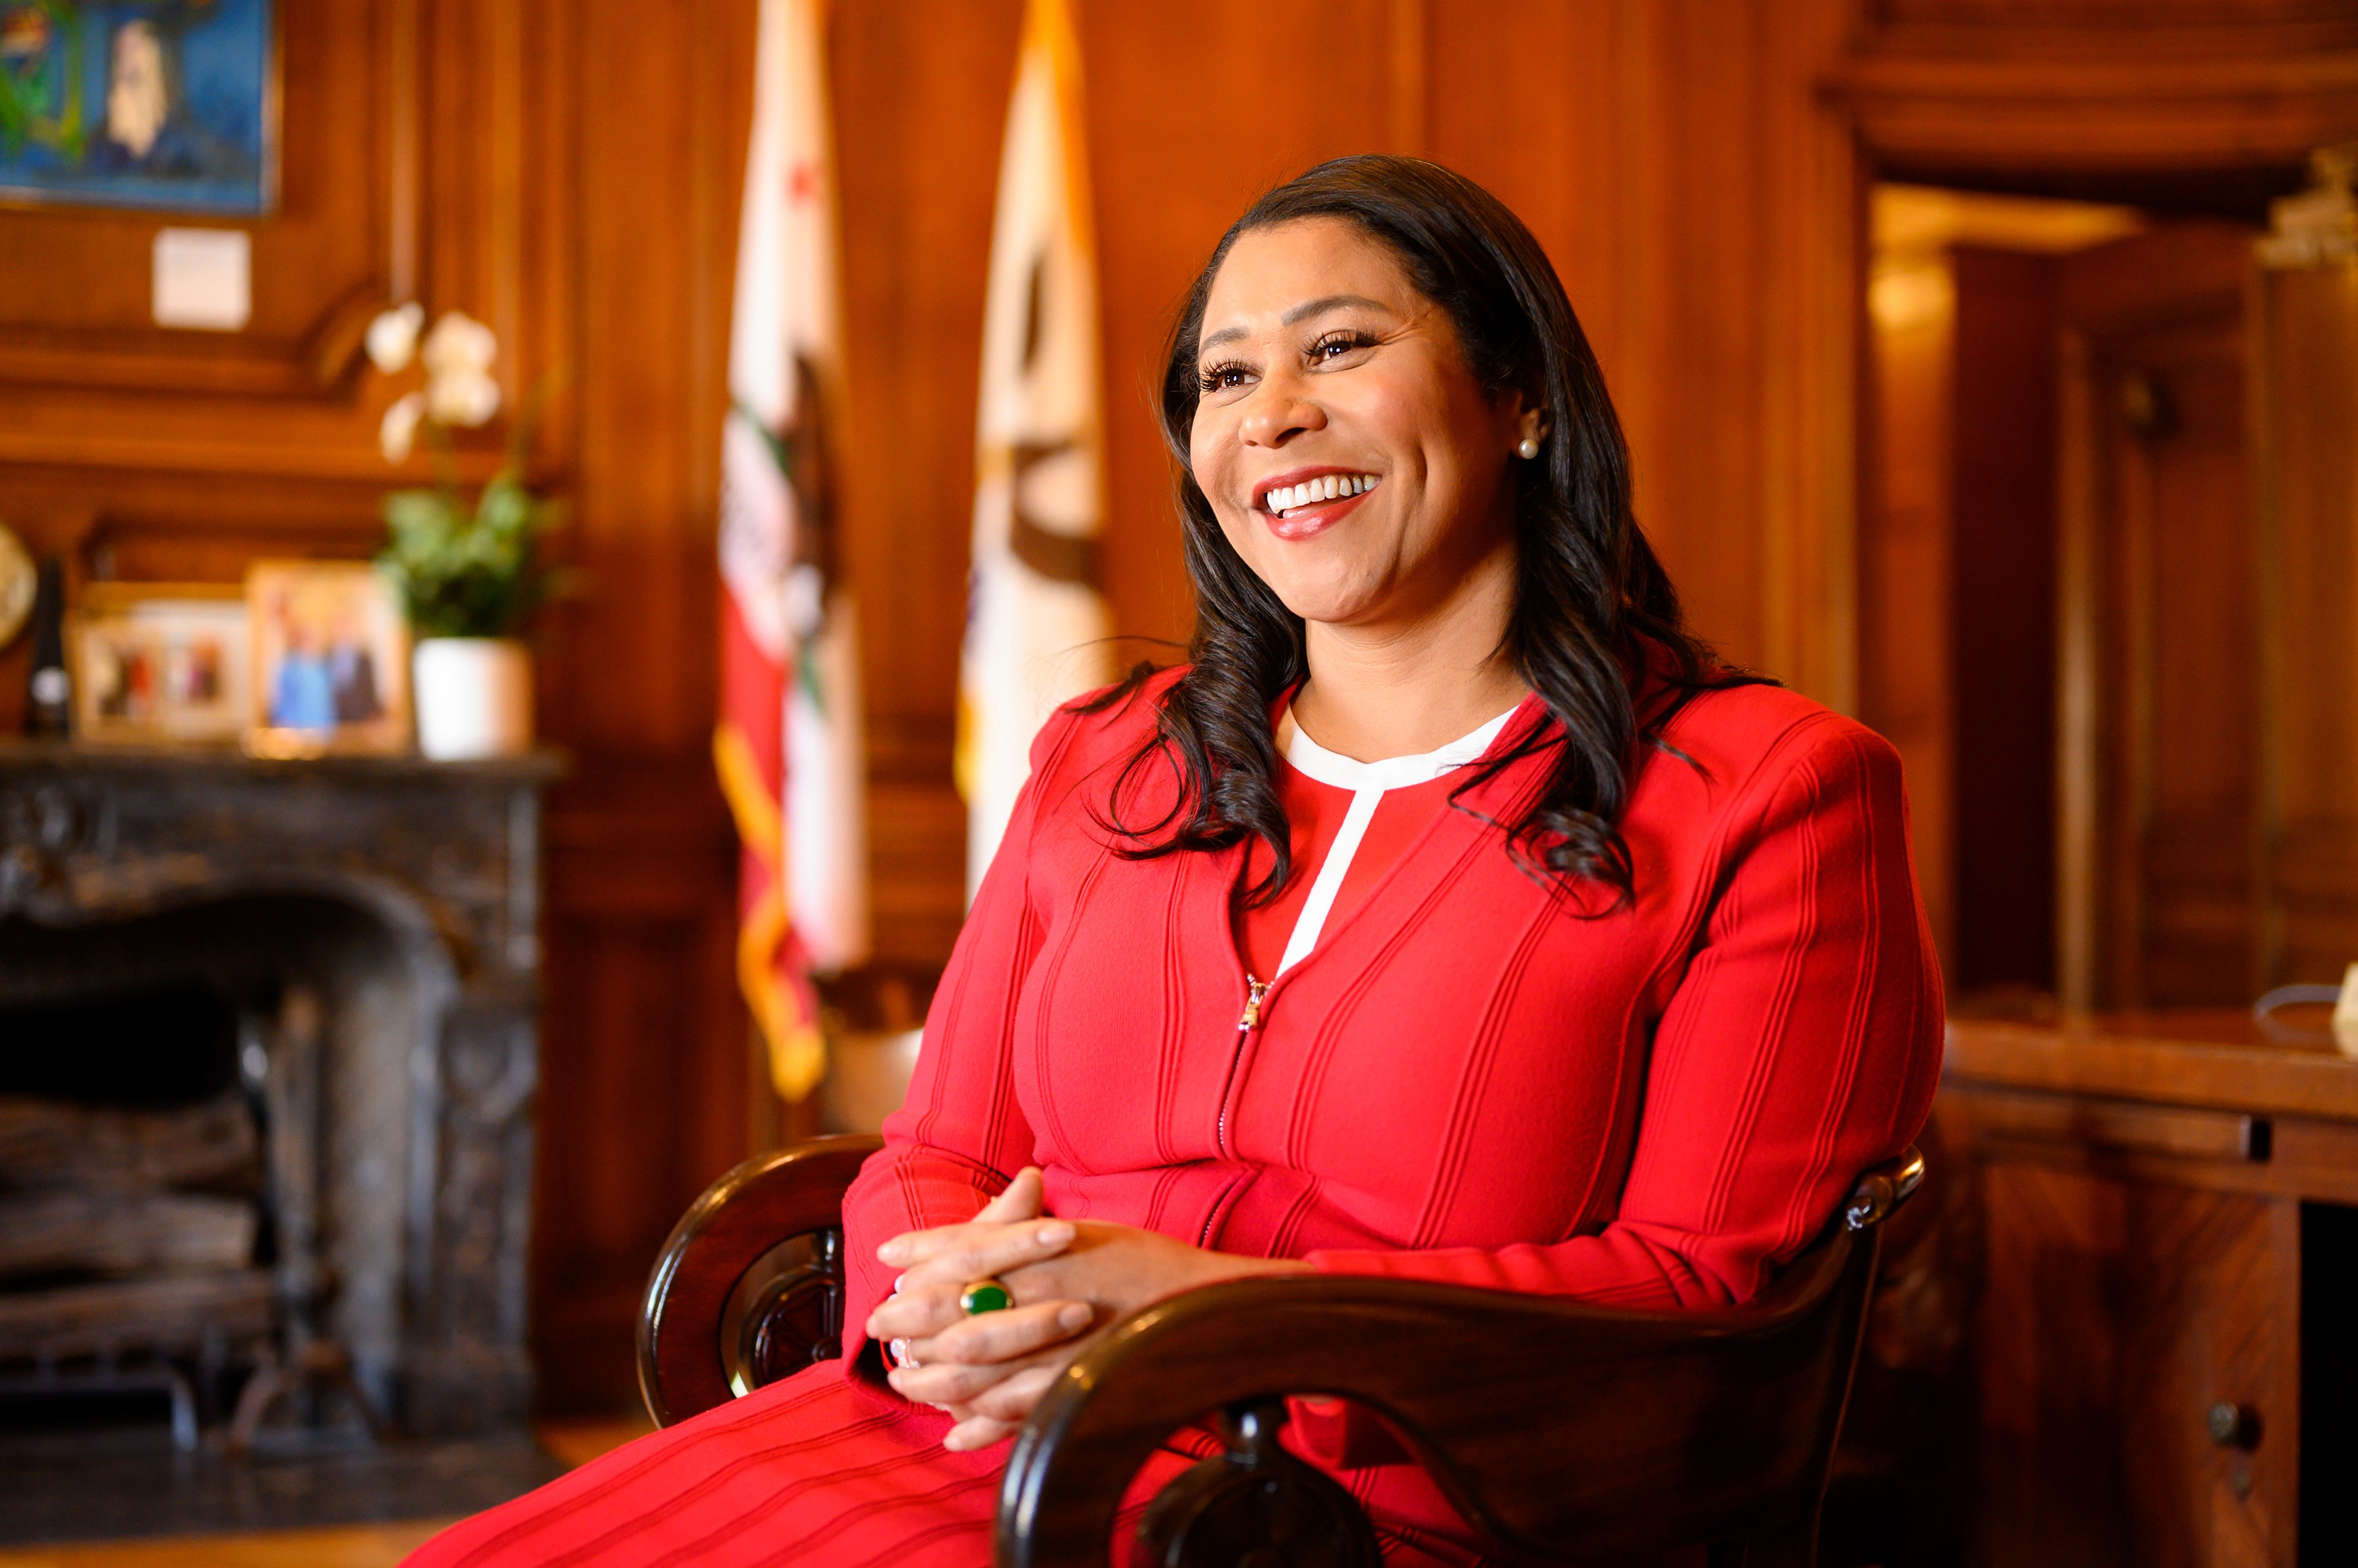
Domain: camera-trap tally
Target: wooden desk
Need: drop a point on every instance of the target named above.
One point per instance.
(2158, 1200)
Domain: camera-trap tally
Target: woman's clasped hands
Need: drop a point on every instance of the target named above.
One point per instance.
(988, 1371)
(1067, 1278)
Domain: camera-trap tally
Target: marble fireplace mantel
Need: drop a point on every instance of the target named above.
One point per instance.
(442, 861)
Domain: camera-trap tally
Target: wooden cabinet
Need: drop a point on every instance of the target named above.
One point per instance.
(2159, 1203)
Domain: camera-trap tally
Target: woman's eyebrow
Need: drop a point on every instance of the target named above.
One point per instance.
(1305, 310)
(1301, 312)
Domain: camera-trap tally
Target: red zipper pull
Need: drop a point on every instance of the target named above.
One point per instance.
(1254, 990)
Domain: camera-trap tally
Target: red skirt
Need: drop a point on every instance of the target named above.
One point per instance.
(816, 1471)
(810, 1470)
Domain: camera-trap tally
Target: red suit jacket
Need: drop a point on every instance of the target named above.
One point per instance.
(1477, 1076)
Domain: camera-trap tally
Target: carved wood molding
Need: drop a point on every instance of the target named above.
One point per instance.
(2129, 101)
(229, 439)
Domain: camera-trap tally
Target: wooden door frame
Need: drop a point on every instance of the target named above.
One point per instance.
(2080, 477)
(1959, 102)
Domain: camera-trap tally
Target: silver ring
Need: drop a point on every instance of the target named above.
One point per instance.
(898, 1348)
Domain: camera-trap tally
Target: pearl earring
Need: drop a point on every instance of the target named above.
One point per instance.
(1527, 447)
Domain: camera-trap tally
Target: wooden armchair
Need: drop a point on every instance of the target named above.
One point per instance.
(1561, 1429)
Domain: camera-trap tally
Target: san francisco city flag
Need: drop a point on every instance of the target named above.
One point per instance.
(1036, 624)
(788, 746)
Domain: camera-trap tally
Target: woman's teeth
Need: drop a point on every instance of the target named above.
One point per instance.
(1312, 492)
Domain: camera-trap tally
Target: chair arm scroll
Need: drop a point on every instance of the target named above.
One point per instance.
(749, 1286)
(1881, 1189)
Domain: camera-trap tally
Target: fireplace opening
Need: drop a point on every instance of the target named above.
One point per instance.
(202, 1120)
(166, 1045)
(137, 1243)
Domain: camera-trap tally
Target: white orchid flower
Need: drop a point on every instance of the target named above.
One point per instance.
(393, 337)
(461, 396)
(460, 344)
(399, 431)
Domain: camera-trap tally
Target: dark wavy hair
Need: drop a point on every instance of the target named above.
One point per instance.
(1593, 610)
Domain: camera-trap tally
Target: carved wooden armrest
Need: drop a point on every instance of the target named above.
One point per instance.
(1547, 1422)
(750, 1287)
(1550, 1424)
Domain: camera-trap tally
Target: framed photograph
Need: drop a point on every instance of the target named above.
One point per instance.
(331, 660)
(166, 104)
(160, 663)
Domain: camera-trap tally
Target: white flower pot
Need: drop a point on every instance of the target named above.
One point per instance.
(474, 697)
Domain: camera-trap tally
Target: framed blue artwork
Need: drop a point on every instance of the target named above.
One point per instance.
(168, 104)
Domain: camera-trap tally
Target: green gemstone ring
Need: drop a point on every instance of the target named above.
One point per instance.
(984, 1295)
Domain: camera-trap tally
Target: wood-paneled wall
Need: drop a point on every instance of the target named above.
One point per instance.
(648, 1088)
(568, 170)
(2307, 463)
(2002, 622)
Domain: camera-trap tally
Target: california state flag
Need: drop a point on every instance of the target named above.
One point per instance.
(1036, 624)
(788, 747)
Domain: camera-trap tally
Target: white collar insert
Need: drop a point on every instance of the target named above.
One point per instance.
(1367, 782)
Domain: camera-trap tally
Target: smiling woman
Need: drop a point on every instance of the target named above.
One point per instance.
(1393, 308)
(1451, 915)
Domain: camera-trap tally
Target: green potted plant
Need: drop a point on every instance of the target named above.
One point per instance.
(469, 578)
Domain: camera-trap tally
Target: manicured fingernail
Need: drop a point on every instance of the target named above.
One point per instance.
(899, 1282)
(892, 1251)
(1054, 1235)
(1074, 1315)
